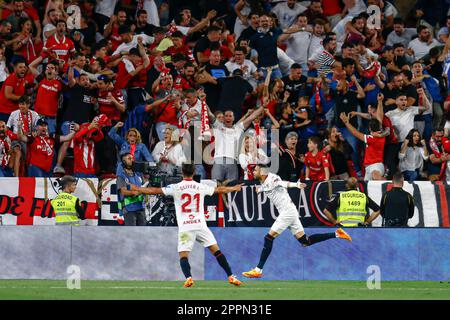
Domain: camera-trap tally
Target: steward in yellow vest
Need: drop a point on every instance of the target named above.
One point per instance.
(352, 207)
(66, 206)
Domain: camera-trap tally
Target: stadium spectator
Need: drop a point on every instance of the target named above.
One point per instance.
(14, 87)
(287, 12)
(227, 137)
(84, 143)
(42, 148)
(291, 162)
(316, 161)
(412, 156)
(339, 151)
(23, 119)
(132, 200)
(250, 156)
(168, 153)
(7, 137)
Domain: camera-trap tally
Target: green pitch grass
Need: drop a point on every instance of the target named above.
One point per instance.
(212, 290)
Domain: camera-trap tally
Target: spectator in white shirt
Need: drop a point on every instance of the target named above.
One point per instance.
(420, 46)
(130, 41)
(227, 138)
(168, 153)
(298, 37)
(22, 118)
(249, 70)
(402, 117)
(287, 12)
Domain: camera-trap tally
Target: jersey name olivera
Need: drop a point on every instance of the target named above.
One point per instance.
(273, 186)
(188, 198)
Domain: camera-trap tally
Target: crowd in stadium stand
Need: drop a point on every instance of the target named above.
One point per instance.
(334, 89)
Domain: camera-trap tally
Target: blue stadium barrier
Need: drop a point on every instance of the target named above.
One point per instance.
(401, 254)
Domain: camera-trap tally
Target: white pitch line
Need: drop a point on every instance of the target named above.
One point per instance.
(222, 289)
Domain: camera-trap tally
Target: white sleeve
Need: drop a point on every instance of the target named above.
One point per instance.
(183, 30)
(422, 152)
(156, 152)
(119, 49)
(10, 123)
(147, 39)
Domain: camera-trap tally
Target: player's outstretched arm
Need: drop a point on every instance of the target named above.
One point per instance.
(148, 190)
(288, 184)
(223, 189)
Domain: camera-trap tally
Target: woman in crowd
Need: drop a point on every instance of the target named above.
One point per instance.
(250, 156)
(168, 153)
(25, 44)
(132, 144)
(412, 155)
(340, 154)
(291, 161)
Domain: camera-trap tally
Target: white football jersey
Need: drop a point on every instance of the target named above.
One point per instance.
(278, 194)
(189, 197)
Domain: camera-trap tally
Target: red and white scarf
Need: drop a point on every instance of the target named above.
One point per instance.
(27, 123)
(205, 129)
(4, 150)
(438, 154)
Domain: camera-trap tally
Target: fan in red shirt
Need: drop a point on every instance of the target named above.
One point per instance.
(58, 46)
(41, 149)
(186, 80)
(179, 47)
(13, 88)
(316, 161)
(84, 147)
(48, 92)
(112, 29)
(373, 158)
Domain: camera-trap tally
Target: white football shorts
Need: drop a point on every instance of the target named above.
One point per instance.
(291, 222)
(186, 239)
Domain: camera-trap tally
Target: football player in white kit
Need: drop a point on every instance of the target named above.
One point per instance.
(188, 197)
(277, 192)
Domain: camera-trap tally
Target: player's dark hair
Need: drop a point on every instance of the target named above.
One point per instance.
(296, 66)
(188, 169)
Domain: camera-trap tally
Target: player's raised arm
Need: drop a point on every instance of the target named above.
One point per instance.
(223, 189)
(288, 184)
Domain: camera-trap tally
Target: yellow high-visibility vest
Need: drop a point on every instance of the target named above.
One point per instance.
(65, 211)
(352, 208)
